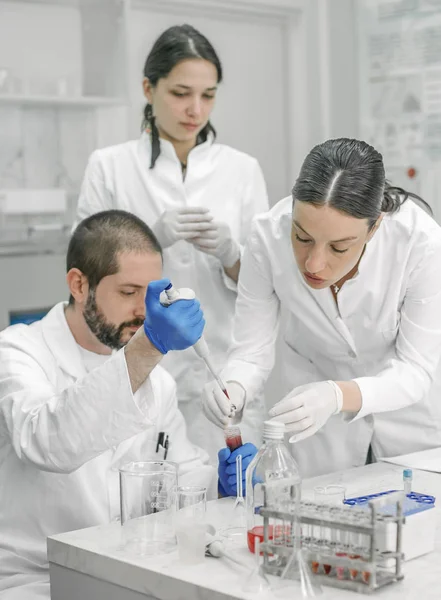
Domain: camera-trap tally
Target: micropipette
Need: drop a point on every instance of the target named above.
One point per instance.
(200, 347)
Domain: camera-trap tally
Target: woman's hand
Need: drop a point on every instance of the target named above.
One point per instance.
(307, 408)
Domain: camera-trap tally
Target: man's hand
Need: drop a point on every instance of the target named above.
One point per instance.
(174, 327)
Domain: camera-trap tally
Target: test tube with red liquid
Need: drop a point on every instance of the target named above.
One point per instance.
(233, 437)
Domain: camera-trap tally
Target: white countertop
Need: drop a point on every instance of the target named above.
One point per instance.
(95, 551)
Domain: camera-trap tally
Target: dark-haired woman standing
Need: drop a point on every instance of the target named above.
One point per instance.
(355, 267)
(198, 196)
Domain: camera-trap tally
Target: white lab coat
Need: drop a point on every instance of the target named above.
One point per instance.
(231, 185)
(63, 436)
(386, 335)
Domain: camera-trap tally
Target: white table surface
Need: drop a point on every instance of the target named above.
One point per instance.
(94, 553)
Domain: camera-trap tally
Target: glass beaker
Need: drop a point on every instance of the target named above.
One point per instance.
(191, 523)
(148, 506)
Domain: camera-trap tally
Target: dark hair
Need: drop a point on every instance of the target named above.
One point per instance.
(98, 239)
(175, 44)
(349, 176)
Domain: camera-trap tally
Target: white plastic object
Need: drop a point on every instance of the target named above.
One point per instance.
(273, 430)
(418, 535)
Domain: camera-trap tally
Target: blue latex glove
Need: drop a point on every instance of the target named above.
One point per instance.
(173, 327)
(227, 468)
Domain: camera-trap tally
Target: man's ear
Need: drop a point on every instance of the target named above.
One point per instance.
(78, 285)
(375, 227)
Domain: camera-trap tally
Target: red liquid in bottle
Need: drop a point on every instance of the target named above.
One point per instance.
(234, 442)
(257, 532)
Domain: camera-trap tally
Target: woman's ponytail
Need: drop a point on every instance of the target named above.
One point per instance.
(149, 125)
(394, 197)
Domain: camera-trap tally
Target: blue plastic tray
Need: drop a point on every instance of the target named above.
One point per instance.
(414, 502)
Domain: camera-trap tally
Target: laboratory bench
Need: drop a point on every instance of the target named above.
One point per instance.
(89, 564)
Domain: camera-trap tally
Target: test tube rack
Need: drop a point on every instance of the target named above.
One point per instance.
(338, 523)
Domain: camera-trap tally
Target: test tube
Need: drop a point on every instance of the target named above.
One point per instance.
(365, 541)
(339, 545)
(325, 537)
(233, 437)
(407, 481)
(315, 540)
(326, 497)
(355, 550)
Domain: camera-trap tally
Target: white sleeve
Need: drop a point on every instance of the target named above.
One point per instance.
(256, 320)
(95, 194)
(407, 377)
(60, 431)
(255, 202)
(193, 462)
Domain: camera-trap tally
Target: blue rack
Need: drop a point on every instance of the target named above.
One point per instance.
(413, 503)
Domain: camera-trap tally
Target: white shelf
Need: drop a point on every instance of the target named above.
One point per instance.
(71, 101)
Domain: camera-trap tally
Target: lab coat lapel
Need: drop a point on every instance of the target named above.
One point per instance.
(61, 342)
(325, 303)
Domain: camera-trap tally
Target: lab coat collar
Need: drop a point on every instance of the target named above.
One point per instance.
(61, 342)
(369, 252)
(168, 151)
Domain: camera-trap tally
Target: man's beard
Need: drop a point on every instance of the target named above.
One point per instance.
(107, 333)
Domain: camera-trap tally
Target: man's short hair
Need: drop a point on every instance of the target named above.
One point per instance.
(99, 239)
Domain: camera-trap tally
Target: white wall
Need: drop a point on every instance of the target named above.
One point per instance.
(289, 83)
(260, 110)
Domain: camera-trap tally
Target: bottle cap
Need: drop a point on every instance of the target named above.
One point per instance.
(273, 430)
(407, 473)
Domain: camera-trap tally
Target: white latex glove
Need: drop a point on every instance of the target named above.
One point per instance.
(182, 224)
(218, 408)
(218, 242)
(307, 408)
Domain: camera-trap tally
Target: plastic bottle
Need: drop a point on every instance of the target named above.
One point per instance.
(272, 462)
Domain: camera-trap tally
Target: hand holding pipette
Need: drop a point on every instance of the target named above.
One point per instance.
(226, 402)
(171, 295)
(171, 329)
